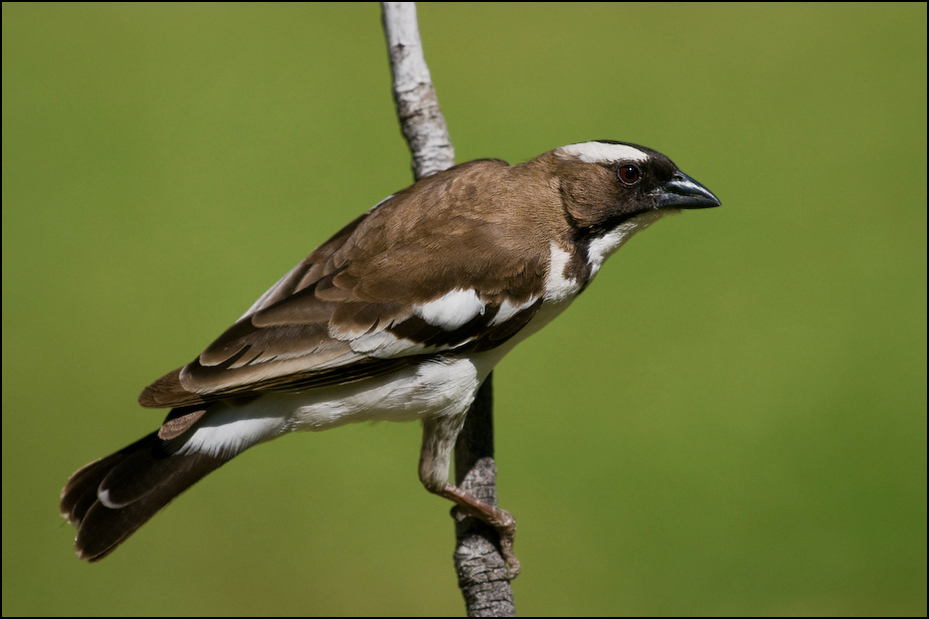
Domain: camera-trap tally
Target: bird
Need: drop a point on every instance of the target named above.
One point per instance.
(400, 316)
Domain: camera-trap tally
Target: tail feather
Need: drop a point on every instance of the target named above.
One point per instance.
(107, 500)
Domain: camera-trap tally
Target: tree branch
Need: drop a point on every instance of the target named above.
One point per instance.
(421, 120)
(482, 572)
(482, 575)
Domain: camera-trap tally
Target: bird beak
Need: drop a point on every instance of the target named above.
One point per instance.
(684, 192)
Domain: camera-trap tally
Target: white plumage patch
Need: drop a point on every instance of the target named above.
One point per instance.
(452, 310)
(557, 286)
(383, 344)
(601, 152)
(602, 247)
(104, 495)
(560, 291)
(508, 310)
(229, 430)
(440, 387)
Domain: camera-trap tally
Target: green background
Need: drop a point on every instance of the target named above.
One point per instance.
(731, 421)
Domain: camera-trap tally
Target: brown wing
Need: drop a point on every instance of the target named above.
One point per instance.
(350, 310)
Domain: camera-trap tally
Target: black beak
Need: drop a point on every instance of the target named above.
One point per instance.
(684, 192)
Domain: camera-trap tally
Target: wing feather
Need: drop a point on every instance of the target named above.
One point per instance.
(353, 309)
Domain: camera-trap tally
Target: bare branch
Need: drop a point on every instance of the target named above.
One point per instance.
(421, 120)
(482, 574)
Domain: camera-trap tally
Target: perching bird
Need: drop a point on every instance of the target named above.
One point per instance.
(400, 316)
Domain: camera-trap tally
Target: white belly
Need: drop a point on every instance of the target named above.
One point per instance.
(435, 388)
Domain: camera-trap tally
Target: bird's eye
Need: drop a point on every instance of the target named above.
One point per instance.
(629, 174)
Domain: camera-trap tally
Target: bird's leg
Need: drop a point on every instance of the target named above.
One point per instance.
(500, 519)
(439, 436)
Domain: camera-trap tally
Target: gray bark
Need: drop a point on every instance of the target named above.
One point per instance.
(482, 574)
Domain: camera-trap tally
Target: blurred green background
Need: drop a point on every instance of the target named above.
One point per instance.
(731, 421)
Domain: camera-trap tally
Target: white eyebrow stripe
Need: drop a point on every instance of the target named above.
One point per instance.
(601, 152)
